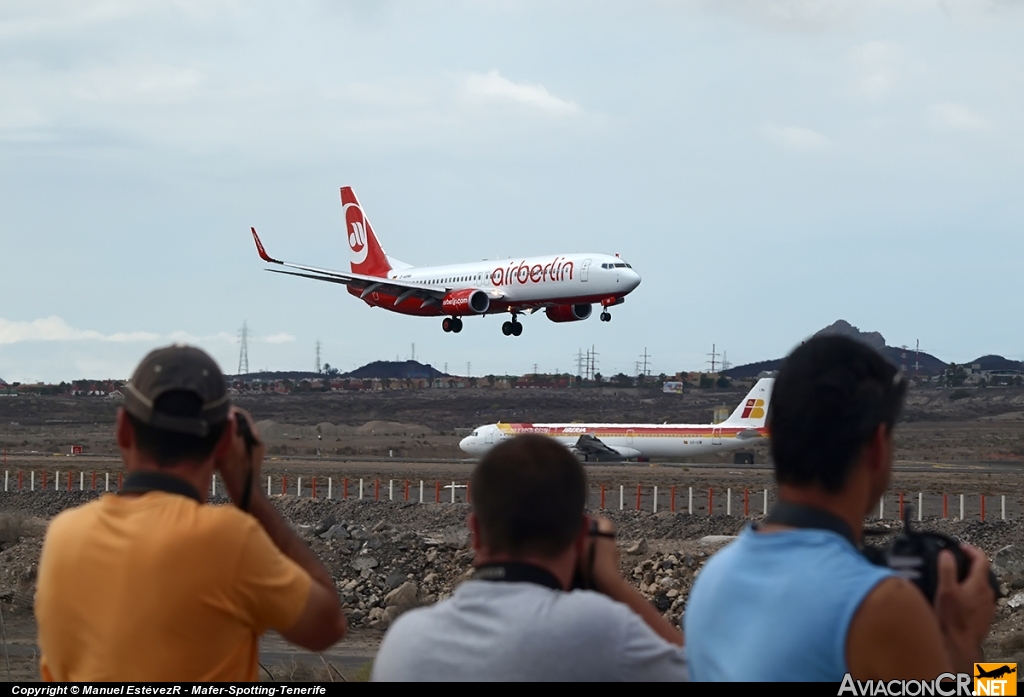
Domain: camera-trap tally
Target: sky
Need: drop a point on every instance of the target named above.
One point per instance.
(767, 166)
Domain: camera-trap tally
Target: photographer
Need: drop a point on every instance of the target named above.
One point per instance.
(795, 599)
(150, 584)
(516, 618)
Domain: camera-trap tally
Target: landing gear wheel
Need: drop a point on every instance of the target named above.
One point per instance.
(456, 325)
(446, 324)
(606, 316)
(506, 329)
(517, 329)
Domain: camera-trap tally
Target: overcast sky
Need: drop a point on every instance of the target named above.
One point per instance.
(767, 166)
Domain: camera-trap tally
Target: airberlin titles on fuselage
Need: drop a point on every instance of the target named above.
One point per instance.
(565, 286)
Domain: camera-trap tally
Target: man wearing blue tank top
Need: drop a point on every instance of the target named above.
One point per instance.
(800, 602)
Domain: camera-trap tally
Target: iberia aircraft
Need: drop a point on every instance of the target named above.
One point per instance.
(565, 286)
(599, 442)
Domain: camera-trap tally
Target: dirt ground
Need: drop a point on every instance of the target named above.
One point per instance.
(973, 446)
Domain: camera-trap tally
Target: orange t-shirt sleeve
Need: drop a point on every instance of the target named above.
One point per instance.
(274, 589)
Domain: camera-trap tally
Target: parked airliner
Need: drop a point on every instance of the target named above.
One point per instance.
(745, 426)
(565, 286)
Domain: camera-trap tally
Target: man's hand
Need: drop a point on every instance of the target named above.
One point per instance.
(238, 466)
(964, 610)
(599, 565)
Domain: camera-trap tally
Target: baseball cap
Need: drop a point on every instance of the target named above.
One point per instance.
(178, 368)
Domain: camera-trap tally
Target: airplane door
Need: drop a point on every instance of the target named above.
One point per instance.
(489, 438)
(584, 269)
(629, 433)
(716, 436)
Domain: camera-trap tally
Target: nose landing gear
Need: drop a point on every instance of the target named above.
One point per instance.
(452, 324)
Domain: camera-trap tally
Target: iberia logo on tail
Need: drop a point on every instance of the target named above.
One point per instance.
(366, 256)
(753, 409)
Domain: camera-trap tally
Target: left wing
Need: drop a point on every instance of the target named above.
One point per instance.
(403, 290)
(591, 446)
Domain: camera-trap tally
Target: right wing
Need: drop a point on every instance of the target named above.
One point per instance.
(403, 290)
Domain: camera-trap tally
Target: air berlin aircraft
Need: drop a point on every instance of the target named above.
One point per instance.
(565, 286)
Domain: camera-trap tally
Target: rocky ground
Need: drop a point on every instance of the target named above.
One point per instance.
(389, 557)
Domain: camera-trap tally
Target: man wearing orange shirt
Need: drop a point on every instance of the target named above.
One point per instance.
(152, 584)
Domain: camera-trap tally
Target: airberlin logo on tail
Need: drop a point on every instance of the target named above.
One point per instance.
(522, 273)
(753, 409)
(355, 224)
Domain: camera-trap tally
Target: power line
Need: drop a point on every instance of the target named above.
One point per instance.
(646, 370)
(714, 358)
(243, 354)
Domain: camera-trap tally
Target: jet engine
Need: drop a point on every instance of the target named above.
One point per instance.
(468, 301)
(568, 313)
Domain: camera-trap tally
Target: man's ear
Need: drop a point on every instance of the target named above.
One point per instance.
(123, 431)
(581, 540)
(473, 523)
(878, 453)
(220, 452)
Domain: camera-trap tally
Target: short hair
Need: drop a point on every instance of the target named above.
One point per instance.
(529, 495)
(168, 448)
(829, 398)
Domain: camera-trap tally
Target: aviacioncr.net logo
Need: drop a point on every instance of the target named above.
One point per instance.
(355, 226)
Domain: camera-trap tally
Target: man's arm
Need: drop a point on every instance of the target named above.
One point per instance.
(322, 621)
(608, 580)
(896, 634)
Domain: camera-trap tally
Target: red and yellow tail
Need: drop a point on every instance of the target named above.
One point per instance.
(366, 254)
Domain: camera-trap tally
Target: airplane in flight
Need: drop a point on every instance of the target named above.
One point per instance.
(611, 442)
(564, 286)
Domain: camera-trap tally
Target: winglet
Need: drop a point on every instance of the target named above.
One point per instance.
(259, 248)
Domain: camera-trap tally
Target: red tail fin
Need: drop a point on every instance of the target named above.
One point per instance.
(366, 254)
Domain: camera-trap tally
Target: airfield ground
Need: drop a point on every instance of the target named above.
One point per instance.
(391, 555)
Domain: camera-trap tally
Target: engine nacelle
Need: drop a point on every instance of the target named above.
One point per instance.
(568, 313)
(468, 301)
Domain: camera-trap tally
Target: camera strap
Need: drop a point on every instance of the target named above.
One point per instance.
(143, 482)
(516, 572)
(795, 515)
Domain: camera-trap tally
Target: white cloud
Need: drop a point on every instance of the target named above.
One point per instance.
(875, 63)
(797, 137)
(956, 117)
(493, 87)
(147, 84)
(56, 329)
(281, 338)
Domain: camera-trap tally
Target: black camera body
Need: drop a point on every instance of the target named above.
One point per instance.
(914, 555)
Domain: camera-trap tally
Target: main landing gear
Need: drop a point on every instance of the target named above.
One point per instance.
(512, 328)
(606, 316)
(452, 324)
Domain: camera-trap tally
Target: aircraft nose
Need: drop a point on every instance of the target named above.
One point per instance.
(466, 444)
(632, 278)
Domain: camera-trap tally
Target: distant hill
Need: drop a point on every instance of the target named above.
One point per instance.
(917, 363)
(996, 363)
(395, 370)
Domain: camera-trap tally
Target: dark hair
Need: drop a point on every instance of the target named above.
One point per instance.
(168, 448)
(828, 400)
(528, 495)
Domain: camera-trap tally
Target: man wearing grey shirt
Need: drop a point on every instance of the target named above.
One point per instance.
(517, 617)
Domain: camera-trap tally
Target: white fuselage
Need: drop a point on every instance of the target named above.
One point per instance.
(630, 440)
(569, 277)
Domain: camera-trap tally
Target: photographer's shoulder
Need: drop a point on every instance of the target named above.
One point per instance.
(894, 633)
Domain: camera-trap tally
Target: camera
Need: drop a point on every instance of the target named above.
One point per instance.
(245, 432)
(914, 555)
